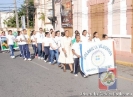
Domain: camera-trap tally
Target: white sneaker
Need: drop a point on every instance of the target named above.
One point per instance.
(39, 58)
(49, 62)
(76, 75)
(25, 59)
(42, 58)
(45, 61)
(13, 57)
(84, 76)
(29, 59)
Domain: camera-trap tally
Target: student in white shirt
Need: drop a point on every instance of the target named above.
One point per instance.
(25, 47)
(10, 41)
(53, 48)
(84, 37)
(76, 55)
(33, 36)
(46, 46)
(19, 43)
(95, 37)
(39, 39)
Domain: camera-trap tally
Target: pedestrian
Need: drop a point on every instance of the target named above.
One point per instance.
(33, 36)
(73, 38)
(95, 37)
(46, 46)
(10, 41)
(19, 43)
(77, 55)
(104, 37)
(66, 56)
(54, 53)
(25, 47)
(84, 37)
(39, 39)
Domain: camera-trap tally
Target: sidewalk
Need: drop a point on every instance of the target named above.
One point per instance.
(124, 58)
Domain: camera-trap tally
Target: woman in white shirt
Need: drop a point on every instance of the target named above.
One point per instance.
(10, 41)
(53, 48)
(25, 47)
(33, 36)
(84, 37)
(95, 37)
(46, 46)
(19, 43)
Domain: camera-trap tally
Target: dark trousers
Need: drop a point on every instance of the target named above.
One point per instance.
(34, 49)
(26, 52)
(21, 51)
(11, 50)
(47, 53)
(39, 49)
(76, 65)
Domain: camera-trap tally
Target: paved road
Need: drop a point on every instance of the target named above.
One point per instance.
(20, 78)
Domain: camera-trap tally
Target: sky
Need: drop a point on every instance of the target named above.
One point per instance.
(8, 5)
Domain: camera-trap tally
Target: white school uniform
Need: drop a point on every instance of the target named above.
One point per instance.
(11, 39)
(85, 38)
(54, 43)
(76, 48)
(24, 38)
(33, 39)
(18, 39)
(46, 41)
(95, 40)
(40, 37)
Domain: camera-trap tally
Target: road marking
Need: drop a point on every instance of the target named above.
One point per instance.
(125, 78)
(39, 65)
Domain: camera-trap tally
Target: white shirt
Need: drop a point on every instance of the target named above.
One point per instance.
(58, 41)
(40, 37)
(54, 43)
(25, 38)
(18, 39)
(46, 41)
(11, 39)
(84, 38)
(95, 40)
(33, 39)
(76, 48)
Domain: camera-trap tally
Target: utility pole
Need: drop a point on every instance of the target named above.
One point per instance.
(16, 13)
(53, 7)
(27, 12)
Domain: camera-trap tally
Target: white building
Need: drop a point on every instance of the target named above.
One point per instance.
(4, 16)
(43, 10)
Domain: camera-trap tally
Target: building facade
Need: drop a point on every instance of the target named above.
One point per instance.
(43, 11)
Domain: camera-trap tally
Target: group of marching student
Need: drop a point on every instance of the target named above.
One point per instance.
(53, 47)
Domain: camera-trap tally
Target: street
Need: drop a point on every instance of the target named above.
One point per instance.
(19, 78)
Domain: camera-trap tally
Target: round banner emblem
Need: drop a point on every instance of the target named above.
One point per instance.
(98, 58)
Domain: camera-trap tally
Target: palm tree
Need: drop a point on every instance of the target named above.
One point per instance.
(42, 17)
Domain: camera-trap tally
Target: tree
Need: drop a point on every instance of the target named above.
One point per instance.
(11, 21)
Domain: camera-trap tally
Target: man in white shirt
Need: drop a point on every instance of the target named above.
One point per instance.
(10, 41)
(39, 39)
(24, 40)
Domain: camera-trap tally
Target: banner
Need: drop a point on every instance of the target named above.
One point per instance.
(66, 13)
(4, 44)
(96, 55)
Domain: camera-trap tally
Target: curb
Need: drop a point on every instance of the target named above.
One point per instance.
(124, 63)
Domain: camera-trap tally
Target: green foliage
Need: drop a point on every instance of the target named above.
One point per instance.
(11, 21)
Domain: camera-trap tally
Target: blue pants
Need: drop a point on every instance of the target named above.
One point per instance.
(21, 50)
(26, 52)
(39, 48)
(54, 53)
(34, 49)
(11, 50)
(47, 53)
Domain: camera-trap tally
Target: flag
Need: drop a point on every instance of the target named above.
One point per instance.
(107, 79)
